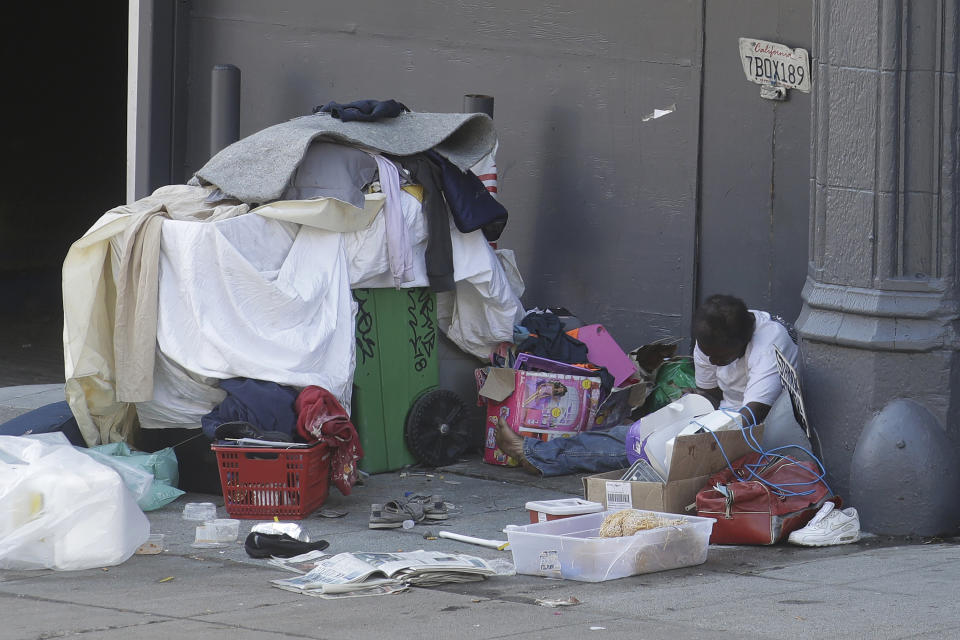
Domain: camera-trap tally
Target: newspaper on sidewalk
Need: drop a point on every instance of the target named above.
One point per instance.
(361, 573)
(302, 563)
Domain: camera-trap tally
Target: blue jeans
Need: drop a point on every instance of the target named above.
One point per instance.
(587, 452)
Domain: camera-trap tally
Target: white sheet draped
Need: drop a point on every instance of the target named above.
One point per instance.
(261, 298)
(276, 309)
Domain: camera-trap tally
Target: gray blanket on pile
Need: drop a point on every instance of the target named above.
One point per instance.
(258, 168)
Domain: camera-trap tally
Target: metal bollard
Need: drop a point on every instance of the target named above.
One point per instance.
(477, 103)
(224, 106)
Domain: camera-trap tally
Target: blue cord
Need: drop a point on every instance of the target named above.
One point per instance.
(780, 489)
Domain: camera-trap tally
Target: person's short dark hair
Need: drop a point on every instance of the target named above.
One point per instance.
(722, 321)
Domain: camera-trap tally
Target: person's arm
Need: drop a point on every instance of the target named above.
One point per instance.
(763, 376)
(754, 412)
(705, 375)
(714, 395)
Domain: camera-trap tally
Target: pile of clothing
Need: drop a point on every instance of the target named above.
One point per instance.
(246, 271)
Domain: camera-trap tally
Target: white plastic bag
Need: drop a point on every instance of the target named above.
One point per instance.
(61, 509)
(648, 436)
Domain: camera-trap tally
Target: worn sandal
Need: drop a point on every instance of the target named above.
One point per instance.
(434, 508)
(392, 514)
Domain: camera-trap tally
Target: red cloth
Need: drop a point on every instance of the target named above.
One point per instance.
(321, 417)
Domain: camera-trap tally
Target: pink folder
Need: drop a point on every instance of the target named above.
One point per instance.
(603, 350)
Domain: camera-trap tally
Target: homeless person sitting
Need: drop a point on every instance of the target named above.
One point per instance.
(735, 368)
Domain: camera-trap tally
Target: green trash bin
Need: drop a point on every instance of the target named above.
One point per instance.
(396, 362)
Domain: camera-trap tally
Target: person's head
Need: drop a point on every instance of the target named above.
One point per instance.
(722, 327)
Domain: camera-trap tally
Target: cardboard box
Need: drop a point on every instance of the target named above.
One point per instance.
(536, 404)
(695, 458)
(614, 409)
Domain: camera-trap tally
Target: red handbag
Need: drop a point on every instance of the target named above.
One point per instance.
(762, 499)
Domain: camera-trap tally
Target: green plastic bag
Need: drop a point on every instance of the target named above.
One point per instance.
(673, 375)
(137, 467)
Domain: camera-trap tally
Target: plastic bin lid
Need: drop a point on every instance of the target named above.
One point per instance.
(564, 506)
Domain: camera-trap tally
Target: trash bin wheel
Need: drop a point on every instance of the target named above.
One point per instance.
(437, 429)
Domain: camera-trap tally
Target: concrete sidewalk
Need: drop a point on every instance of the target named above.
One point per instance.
(20, 399)
(876, 588)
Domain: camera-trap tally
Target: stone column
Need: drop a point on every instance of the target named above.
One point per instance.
(880, 315)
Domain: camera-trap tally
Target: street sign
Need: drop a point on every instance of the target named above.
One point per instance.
(777, 65)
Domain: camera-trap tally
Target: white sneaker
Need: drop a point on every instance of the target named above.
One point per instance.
(830, 526)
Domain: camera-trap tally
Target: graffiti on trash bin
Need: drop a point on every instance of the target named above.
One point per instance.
(365, 342)
(423, 336)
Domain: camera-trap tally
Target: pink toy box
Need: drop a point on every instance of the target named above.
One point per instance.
(536, 404)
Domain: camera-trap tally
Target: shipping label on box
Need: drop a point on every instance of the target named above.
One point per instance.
(536, 404)
(695, 459)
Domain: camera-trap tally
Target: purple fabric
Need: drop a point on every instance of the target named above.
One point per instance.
(633, 442)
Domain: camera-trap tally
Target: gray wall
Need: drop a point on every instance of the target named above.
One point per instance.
(604, 207)
(755, 195)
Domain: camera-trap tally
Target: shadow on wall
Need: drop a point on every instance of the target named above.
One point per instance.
(31, 294)
(65, 150)
(562, 226)
(31, 327)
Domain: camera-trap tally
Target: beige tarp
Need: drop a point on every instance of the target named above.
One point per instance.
(95, 269)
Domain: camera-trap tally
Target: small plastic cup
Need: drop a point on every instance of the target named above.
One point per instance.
(200, 511)
(217, 533)
(227, 529)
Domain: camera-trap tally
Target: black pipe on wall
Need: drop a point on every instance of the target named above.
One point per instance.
(224, 106)
(476, 103)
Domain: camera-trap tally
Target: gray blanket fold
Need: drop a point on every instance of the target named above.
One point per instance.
(259, 167)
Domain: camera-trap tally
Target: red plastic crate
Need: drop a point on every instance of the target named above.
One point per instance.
(263, 482)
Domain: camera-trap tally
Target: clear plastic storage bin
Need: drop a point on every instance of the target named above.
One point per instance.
(570, 547)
